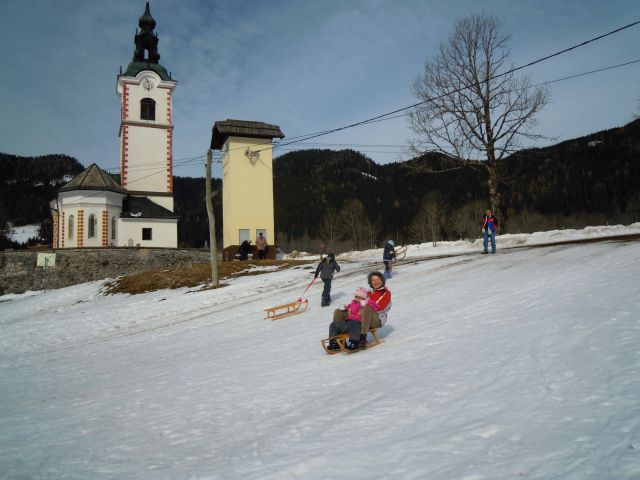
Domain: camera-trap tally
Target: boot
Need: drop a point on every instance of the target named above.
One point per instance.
(363, 340)
(333, 346)
(353, 345)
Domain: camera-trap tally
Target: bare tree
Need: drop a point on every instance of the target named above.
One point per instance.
(474, 107)
(351, 222)
(371, 232)
(430, 219)
(465, 221)
(329, 226)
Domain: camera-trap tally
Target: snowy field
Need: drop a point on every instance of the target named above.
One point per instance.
(523, 364)
(24, 233)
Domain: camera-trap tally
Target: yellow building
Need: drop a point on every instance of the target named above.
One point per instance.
(247, 182)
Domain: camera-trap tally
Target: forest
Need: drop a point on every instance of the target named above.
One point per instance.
(346, 201)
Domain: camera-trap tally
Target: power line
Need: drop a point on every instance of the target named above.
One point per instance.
(548, 82)
(300, 139)
(465, 87)
(286, 148)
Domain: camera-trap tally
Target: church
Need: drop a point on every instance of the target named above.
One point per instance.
(93, 210)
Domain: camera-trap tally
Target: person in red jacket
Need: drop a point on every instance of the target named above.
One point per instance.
(372, 315)
(489, 224)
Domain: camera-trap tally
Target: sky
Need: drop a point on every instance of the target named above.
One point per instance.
(305, 66)
(531, 375)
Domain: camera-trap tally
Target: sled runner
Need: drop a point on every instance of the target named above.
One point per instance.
(400, 252)
(341, 340)
(286, 310)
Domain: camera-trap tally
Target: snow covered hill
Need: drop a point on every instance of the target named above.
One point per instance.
(522, 364)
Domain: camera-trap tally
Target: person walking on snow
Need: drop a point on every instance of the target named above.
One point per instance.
(372, 315)
(489, 225)
(387, 257)
(325, 270)
(261, 246)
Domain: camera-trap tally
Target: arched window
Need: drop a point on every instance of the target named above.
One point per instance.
(70, 229)
(92, 226)
(113, 227)
(147, 109)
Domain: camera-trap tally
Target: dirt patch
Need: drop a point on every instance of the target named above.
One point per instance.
(194, 275)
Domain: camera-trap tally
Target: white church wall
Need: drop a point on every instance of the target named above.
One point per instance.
(80, 205)
(137, 92)
(164, 232)
(162, 200)
(147, 159)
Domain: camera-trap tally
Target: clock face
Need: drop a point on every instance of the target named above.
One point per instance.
(147, 84)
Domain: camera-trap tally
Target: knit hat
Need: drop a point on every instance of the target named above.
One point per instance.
(361, 292)
(390, 242)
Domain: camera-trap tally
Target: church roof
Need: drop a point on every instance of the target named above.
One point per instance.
(92, 178)
(242, 128)
(142, 207)
(135, 67)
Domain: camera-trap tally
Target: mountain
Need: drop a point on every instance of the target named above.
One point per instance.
(28, 184)
(598, 173)
(308, 182)
(584, 181)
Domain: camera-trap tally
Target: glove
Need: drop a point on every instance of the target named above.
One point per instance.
(363, 302)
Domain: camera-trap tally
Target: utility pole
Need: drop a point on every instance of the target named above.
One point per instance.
(212, 225)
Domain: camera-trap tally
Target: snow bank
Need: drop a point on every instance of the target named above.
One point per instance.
(517, 365)
(24, 233)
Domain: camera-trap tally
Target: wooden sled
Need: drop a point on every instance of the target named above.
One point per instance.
(400, 252)
(288, 309)
(342, 342)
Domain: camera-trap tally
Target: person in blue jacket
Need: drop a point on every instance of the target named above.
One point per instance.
(489, 224)
(387, 257)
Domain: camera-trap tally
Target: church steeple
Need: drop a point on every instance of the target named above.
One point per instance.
(145, 55)
(146, 40)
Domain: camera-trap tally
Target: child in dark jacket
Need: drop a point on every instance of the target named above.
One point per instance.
(325, 270)
(387, 257)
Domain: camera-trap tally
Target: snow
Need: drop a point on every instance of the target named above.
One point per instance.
(24, 233)
(522, 364)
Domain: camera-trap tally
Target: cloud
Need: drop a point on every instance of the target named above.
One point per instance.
(307, 66)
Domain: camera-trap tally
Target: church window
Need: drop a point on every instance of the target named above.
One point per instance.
(147, 109)
(113, 228)
(146, 234)
(70, 229)
(92, 226)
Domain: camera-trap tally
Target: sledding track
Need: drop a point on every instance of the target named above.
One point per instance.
(295, 285)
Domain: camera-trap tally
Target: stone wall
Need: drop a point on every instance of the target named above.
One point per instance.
(19, 273)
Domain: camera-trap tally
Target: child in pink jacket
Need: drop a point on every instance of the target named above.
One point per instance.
(354, 308)
(352, 320)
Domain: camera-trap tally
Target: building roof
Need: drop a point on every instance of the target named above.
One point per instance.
(142, 207)
(242, 128)
(134, 68)
(92, 178)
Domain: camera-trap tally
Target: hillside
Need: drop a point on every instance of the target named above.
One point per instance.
(585, 181)
(519, 377)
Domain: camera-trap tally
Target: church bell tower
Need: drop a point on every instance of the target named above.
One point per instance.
(146, 124)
